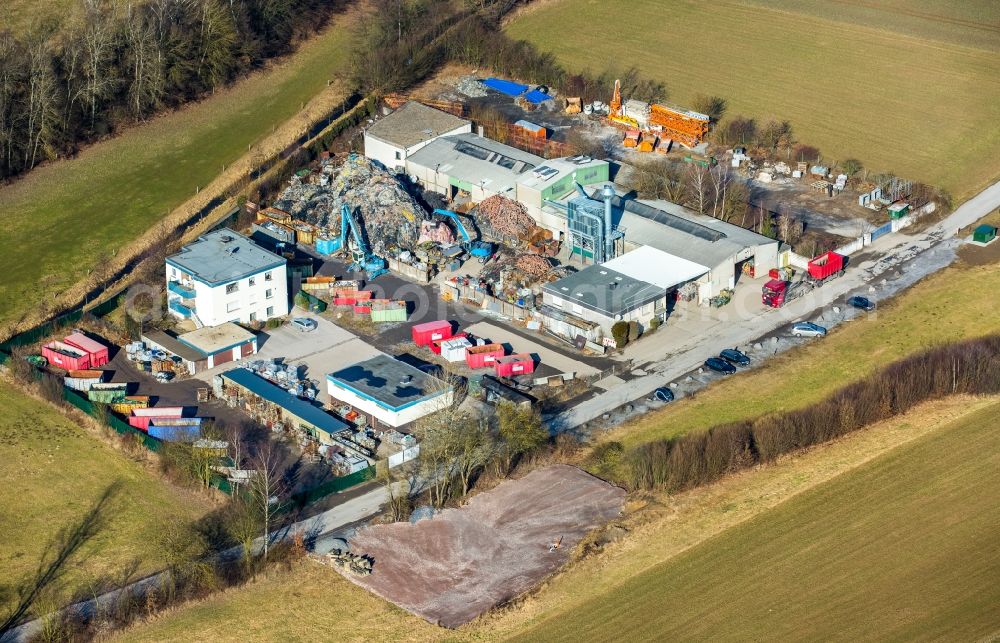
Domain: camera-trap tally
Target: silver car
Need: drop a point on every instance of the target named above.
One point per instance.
(304, 324)
(808, 329)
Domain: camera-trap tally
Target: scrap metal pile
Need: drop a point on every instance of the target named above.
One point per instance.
(510, 276)
(504, 217)
(388, 213)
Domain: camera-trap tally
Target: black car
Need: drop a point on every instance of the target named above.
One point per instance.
(735, 357)
(862, 302)
(663, 394)
(719, 365)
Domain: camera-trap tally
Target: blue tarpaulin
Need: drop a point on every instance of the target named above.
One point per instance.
(505, 86)
(536, 97)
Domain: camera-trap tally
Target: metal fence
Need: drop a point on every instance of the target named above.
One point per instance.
(880, 231)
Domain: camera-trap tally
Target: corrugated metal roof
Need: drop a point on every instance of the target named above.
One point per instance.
(301, 409)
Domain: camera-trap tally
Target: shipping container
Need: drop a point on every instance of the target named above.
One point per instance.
(985, 233)
(305, 301)
(143, 422)
(483, 356)
(392, 311)
(424, 334)
(514, 365)
(826, 265)
(453, 350)
(83, 380)
(161, 411)
(126, 406)
(343, 301)
(174, 421)
(65, 356)
(98, 352)
(188, 433)
(106, 396)
(362, 308)
(436, 344)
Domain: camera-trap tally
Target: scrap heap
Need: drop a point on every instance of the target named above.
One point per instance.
(504, 217)
(511, 275)
(388, 213)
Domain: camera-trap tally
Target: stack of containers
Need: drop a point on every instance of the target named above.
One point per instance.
(484, 356)
(428, 332)
(514, 365)
(363, 302)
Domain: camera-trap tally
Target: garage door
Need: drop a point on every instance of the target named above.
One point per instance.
(223, 357)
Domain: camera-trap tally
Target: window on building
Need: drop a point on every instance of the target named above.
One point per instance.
(557, 301)
(253, 317)
(233, 287)
(268, 294)
(267, 276)
(173, 272)
(232, 307)
(253, 282)
(270, 311)
(578, 309)
(399, 156)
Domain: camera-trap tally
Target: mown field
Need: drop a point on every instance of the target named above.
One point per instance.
(947, 306)
(900, 100)
(64, 218)
(903, 548)
(53, 474)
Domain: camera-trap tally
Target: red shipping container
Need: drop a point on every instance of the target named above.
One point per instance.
(428, 332)
(362, 309)
(67, 357)
(343, 301)
(363, 295)
(483, 356)
(774, 273)
(98, 352)
(514, 365)
(436, 344)
(825, 265)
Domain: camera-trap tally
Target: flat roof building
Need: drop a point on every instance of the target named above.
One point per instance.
(389, 391)
(224, 276)
(316, 422)
(470, 163)
(553, 180)
(392, 139)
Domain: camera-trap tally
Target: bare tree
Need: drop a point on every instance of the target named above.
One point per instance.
(698, 187)
(42, 109)
(266, 486)
(98, 40)
(398, 494)
(145, 72)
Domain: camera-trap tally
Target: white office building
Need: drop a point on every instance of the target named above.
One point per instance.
(225, 277)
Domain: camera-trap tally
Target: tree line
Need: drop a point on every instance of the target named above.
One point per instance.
(969, 367)
(112, 64)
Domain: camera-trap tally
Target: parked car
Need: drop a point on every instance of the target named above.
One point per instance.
(304, 324)
(719, 366)
(862, 302)
(735, 357)
(808, 329)
(663, 394)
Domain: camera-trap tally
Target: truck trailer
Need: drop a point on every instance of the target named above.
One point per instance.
(777, 292)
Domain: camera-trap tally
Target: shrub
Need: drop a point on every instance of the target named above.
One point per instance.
(620, 332)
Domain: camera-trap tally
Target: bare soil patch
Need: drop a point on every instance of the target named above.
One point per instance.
(453, 567)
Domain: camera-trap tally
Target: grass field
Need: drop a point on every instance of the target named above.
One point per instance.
(947, 306)
(53, 473)
(63, 218)
(899, 101)
(18, 15)
(903, 548)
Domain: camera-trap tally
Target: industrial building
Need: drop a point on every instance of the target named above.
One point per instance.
(468, 163)
(206, 347)
(393, 139)
(553, 180)
(390, 392)
(222, 277)
(270, 403)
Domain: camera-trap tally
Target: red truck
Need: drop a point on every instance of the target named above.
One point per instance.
(777, 292)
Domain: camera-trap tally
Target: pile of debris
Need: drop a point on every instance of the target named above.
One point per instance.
(511, 275)
(471, 87)
(389, 215)
(347, 562)
(505, 217)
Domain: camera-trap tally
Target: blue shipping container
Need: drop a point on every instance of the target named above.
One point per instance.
(187, 433)
(327, 246)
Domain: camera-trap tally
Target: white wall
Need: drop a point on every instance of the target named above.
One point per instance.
(214, 306)
(385, 153)
(389, 417)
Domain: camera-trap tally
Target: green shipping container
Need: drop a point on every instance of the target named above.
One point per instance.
(305, 301)
(385, 315)
(984, 233)
(107, 396)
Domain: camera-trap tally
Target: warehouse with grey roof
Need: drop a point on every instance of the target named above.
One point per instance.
(393, 138)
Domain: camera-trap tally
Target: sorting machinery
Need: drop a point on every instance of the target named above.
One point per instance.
(361, 255)
(481, 250)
